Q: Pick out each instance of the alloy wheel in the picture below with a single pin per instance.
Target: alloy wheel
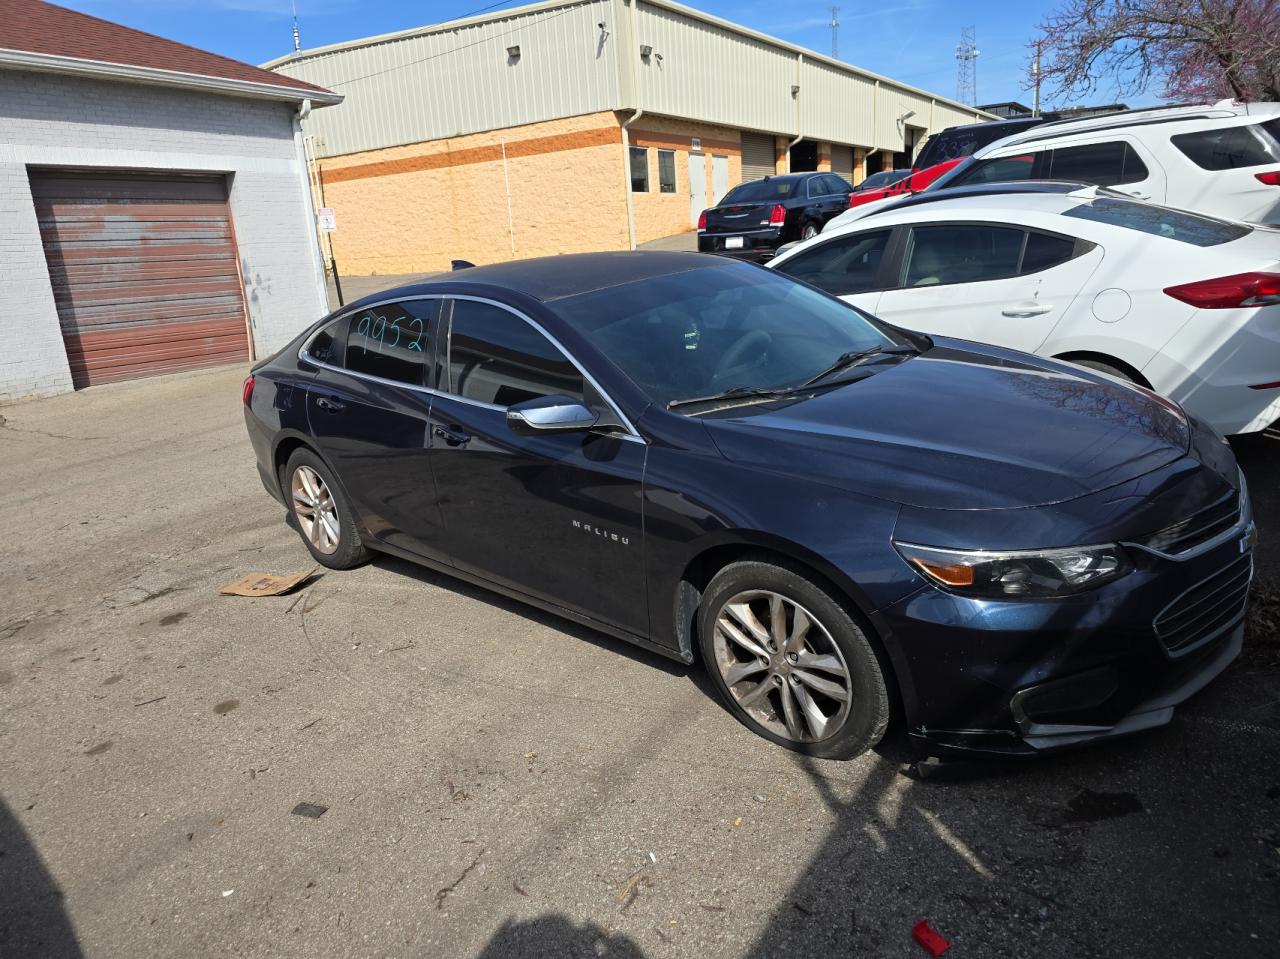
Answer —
(782, 666)
(316, 511)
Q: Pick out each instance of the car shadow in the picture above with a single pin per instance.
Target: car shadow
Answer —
(432, 577)
(33, 918)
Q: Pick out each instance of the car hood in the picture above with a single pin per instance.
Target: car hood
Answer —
(961, 427)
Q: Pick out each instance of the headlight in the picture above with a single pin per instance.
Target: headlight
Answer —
(1019, 573)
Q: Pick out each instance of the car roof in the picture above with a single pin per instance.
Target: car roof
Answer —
(1013, 123)
(1119, 120)
(555, 277)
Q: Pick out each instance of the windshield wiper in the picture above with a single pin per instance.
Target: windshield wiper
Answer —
(853, 358)
(733, 393)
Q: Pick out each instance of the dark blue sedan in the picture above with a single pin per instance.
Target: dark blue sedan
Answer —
(843, 520)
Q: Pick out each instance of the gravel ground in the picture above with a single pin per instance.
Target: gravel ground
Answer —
(499, 782)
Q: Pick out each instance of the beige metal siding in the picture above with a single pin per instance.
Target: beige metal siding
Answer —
(707, 73)
(757, 156)
(455, 78)
(458, 80)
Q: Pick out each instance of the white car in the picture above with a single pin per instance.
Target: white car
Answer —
(1184, 304)
(1221, 159)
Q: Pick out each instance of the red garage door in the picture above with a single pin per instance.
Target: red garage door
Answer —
(144, 272)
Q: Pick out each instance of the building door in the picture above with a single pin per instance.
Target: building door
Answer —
(719, 178)
(144, 272)
(758, 160)
(804, 156)
(697, 186)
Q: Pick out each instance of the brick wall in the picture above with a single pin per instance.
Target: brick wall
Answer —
(661, 214)
(48, 120)
(558, 189)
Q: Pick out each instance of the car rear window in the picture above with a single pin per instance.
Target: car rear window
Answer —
(1227, 148)
(761, 191)
(1159, 221)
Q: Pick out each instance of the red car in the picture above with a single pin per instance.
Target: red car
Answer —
(942, 152)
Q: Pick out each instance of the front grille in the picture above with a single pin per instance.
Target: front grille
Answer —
(1206, 609)
(1212, 521)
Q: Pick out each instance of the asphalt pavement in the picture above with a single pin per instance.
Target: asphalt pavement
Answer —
(492, 781)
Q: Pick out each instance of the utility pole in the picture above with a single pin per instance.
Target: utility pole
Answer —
(967, 66)
(1035, 74)
(835, 33)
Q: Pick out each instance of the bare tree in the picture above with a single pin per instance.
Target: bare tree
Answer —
(1198, 49)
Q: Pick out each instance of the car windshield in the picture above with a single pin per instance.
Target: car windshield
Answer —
(767, 190)
(1160, 221)
(728, 326)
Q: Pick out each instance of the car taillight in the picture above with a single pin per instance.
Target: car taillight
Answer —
(1229, 292)
(702, 221)
(1270, 179)
(778, 215)
(246, 394)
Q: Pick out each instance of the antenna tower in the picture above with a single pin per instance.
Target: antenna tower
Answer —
(967, 66)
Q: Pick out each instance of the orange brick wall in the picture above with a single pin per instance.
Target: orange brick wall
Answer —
(414, 208)
(664, 214)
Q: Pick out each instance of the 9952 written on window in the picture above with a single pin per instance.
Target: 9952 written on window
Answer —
(392, 340)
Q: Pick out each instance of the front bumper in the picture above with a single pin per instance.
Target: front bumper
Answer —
(1019, 678)
(757, 245)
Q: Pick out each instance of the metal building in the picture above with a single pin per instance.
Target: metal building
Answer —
(580, 124)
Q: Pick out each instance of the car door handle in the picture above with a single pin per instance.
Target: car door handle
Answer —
(1026, 311)
(333, 406)
(1137, 194)
(454, 437)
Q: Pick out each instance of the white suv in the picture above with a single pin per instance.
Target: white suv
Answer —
(1223, 160)
(1176, 301)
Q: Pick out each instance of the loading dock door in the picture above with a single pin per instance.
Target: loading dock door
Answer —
(144, 272)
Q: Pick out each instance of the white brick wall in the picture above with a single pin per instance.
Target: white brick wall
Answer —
(48, 120)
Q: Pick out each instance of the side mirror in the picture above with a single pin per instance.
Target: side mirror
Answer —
(549, 414)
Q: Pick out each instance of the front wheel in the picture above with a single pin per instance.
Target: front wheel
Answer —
(790, 662)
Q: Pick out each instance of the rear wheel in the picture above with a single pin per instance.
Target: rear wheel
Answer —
(1103, 367)
(809, 231)
(790, 662)
(321, 512)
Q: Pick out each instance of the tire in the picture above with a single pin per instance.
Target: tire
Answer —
(832, 641)
(1107, 368)
(808, 231)
(307, 500)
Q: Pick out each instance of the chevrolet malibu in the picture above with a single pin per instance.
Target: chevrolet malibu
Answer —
(844, 521)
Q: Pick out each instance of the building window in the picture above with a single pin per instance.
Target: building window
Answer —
(639, 169)
(666, 171)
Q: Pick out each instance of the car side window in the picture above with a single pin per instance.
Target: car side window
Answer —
(842, 265)
(1227, 148)
(392, 340)
(1045, 251)
(839, 184)
(326, 346)
(1104, 164)
(1026, 166)
(941, 255)
(498, 357)
(847, 264)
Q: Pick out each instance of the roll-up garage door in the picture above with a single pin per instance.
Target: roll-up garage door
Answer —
(144, 272)
(842, 161)
(757, 156)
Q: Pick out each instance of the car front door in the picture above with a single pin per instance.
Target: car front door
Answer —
(554, 515)
(368, 409)
(994, 283)
(853, 266)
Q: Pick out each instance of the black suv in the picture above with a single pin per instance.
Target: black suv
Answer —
(757, 217)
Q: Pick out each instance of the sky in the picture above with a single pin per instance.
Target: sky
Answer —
(909, 40)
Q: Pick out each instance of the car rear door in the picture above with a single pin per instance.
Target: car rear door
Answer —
(558, 515)
(368, 410)
(990, 282)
